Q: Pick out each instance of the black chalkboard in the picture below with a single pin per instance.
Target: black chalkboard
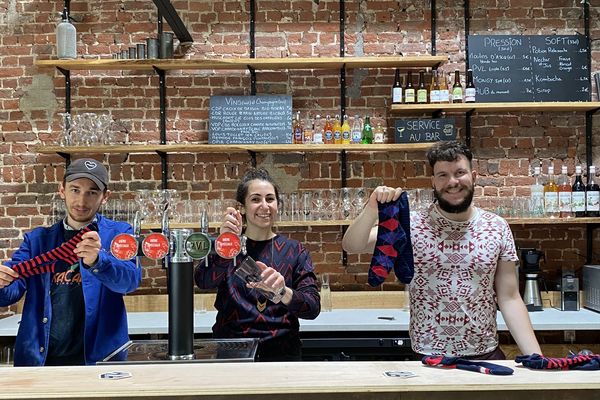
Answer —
(509, 68)
(424, 130)
(264, 119)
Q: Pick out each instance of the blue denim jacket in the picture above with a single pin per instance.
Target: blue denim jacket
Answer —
(103, 284)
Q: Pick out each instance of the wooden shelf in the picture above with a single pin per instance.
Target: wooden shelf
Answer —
(216, 225)
(559, 106)
(552, 221)
(228, 148)
(245, 63)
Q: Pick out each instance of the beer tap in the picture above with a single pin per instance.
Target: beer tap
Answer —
(204, 230)
(165, 231)
(137, 228)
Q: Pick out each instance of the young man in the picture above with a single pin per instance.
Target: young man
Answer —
(464, 264)
(74, 312)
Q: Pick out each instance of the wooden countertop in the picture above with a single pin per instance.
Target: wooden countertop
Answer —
(306, 381)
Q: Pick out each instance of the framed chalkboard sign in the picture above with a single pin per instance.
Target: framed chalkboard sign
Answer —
(509, 68)
(424, 130)
(264, 119)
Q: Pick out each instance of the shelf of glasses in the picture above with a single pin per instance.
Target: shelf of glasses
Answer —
(308, 63)
(281, 224)
(227, 148)
(524, 107)
(553, 221)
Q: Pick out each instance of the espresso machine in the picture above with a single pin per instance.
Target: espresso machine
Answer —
(530, 265)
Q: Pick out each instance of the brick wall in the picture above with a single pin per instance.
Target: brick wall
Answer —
(505, 145)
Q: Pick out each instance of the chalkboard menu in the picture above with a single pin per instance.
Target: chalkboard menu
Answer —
(265, 119)
(424, 130)
(509, 68)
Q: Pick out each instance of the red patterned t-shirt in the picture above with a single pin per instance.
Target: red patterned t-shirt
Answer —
(452, 296)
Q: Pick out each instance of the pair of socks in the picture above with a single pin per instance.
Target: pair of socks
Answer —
(588, 362)
(467, 365)
(58, 259)
(393, 249)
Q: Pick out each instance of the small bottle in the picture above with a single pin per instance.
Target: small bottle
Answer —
(592, 195)
(66, 38)
(346, 135)
(564, 193)
(367, 132)
(297, 131)
(551, 195)
(378, 134)
(409, 90)
(318, 131)
(356, 133)
(444, 92)
(578, 194)
(328, 131)
(470, 91)
(337, 130)
(537, 194)
(434, 90)
(397, 88)
(422, 92)
(308, 130)
(457, 89)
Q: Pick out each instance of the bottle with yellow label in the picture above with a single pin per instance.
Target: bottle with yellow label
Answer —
(337, 130)
(346, 135)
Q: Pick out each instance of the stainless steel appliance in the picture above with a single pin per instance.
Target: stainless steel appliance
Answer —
(591, 287)
(530, 263)
(569, 292)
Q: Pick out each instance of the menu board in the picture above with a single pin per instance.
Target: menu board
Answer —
(509, 68)
(265, 119)
(424, 130)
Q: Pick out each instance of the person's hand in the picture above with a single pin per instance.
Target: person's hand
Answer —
(232, 221)
(383, 194)
(89, 247)
(7, 275)
(271, 278)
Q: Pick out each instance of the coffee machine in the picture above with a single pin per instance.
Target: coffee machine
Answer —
(530, 265)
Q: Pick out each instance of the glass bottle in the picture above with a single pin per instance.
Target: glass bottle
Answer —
(308, 130)
(409, 90)
(337, 130)
(66, 38)
(378, 134)
(551, 195)
(434, 91)
(444, 92)
(592, 195)
(457, 89)
(397, 88)
(318, 132)
(578, 194)
(298, 131)
(564, 193)
(422, 92)
(356, 132)
(328, 131)
(367, 132)
(346, 135)
(470, 91)
(537, 195)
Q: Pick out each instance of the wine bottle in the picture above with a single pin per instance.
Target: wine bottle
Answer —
(409, 90)
(564, 193)
(578, 194)
(457, 89)
(592, 195)
(551, 195)
(470, 91)
(422, 92)
(397, 89)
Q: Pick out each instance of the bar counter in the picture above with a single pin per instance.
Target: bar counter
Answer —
(305, 381)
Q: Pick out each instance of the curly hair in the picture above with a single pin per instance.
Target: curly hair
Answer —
(448, 150)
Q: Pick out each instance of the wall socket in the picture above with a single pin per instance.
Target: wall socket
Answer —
(569, 336)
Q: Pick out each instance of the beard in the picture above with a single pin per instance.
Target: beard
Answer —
(454, 208)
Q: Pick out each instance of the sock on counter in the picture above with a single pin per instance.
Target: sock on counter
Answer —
(56, 260)
(393, 249)
(468, 365)
(588, 362)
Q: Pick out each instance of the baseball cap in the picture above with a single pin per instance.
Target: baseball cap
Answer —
(87, 168)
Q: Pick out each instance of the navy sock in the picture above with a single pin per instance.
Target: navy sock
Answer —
(467, 365)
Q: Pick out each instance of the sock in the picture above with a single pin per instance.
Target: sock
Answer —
(589, 362)
(393, 249)
(467, 365)
(61, 257)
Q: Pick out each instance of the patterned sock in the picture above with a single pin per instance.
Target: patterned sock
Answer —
(468, 365)
(392, 249)
(589, 362)
(56, 258)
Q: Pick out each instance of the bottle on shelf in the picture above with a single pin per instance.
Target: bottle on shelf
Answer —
(564, 193)
(422, 92)
(337, 130)
(444, 90)
(578, 194)
(356, 133)
(318, 132)
(308, 130)
(409, 90)
(66, 38)
(346, 135)
(298, 130)
(434, 90)
(328, 131)
(537, 195)
(551, 195)
(470, 91)
(378, 134)
(592, 195)
(457, 89)
(367, 132)
(397, 88)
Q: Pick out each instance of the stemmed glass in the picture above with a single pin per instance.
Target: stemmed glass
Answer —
(65, 126)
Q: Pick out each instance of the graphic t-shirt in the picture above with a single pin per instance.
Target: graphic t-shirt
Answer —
(452, 295)
(68, 316)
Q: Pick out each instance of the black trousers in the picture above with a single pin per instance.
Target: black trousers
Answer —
(284, 348)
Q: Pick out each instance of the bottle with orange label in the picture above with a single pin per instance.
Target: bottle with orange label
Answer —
(337, 130)
(308, 130)
(297, 130)
(328, 131)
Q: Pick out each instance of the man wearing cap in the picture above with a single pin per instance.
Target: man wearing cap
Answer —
(73, 312)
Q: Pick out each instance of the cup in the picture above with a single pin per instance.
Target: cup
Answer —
(133, 53)
(326, 304)
(141, 51)
(200, 303)
(250, 273)
(152, 48)
(7, 355)
(166, 45)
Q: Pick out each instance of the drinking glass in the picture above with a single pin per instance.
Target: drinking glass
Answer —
(325, 293)
(65, 126)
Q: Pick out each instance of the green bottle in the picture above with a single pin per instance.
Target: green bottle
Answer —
(367, 133)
